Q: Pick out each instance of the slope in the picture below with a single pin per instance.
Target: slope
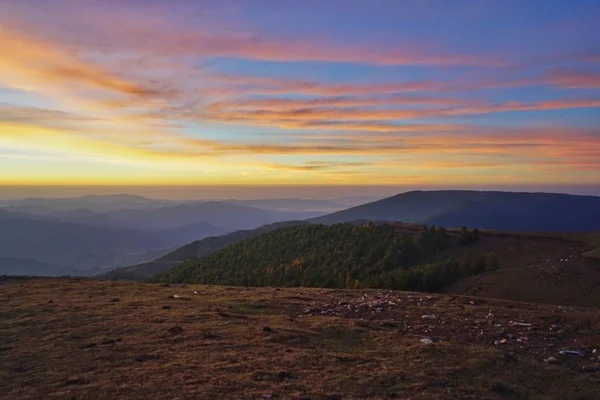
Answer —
(199, 248)
(510, 211)
(78, 246)
(399, 256)
(65, 338)
(230, 216)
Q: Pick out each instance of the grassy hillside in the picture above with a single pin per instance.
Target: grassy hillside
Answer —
(524, 267)
(197, 249)
(506, 211)
(341, 256)
(81, 339)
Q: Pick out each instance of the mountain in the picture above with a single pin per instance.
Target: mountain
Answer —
(290, 204)
(85, 216)
(337, 256)
(28, 266)
(510, 211)
(86, 247)
(225, 215)
(524, 267)
(197, 249)
(95, 203)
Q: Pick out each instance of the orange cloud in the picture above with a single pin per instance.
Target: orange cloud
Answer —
(27, 61)
(576, 79)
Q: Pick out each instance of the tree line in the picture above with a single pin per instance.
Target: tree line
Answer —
(337, 256)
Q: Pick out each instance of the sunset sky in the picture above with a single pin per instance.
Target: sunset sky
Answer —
(273, 92)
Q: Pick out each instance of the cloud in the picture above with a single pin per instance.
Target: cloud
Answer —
(573, 78)
(274, 113)
(29, 61)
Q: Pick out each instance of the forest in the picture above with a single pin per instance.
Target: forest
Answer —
(337, 256)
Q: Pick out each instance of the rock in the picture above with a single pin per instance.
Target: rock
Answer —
(426, 341)
(175, 330)
(428, 316)
(89, 345)
(551, 360)
(267, 329)
(166, 307)
(572, 353)
(115, 300)
(50, 301)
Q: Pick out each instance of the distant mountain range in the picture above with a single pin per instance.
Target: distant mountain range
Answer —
(507, 211)
(65, 237)
(97, 233)
(196, 249)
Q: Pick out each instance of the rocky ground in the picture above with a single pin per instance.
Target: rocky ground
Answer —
(80, 339)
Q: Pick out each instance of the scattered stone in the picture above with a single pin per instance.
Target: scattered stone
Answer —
(572, 353)
(428, 316)
(551, 360)
(178, 297)
(426, 341)
(175, 330)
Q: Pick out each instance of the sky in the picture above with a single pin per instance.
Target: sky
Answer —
(389, 93)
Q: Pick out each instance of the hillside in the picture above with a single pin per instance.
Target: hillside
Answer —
(64, 338)
(81, 246)
(196, 249)
(340, 256)
(290, 204)
(507, 211)
(219, 214)
(28, 266)
(400, 256)
(95, 203)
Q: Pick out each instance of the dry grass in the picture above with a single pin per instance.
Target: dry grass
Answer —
(63, 339)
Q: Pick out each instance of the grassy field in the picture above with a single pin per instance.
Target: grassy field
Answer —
(80, 339)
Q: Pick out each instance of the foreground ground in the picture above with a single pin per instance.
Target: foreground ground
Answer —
(63, 339)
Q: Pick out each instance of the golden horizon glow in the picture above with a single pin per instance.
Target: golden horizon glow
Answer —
(155, 98)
